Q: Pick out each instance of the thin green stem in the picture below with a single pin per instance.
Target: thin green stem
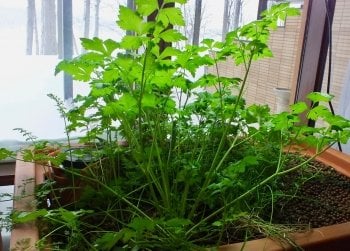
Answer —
(272, 203)
(232, 146)
(248, 192)
(142, 89)
(219, 88)
(165, 179)
(184, 198)
(129, 203)
(221, 144)
(151, 177)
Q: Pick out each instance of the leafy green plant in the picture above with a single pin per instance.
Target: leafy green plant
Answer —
(197, 161)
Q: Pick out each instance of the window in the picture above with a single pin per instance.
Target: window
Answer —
(30, 42)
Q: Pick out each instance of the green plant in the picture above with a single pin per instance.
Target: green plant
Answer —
(197, 159)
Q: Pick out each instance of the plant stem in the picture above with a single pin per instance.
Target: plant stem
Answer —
(248, 192)
(142, 89)
(221, 144)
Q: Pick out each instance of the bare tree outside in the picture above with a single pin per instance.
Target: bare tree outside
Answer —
(187, 30)
(130, 4)
(197, 22)
(36, 34)
(86, 33)
(60, 28)
(226, 18)
(237, 15)
(48, 31)
(32, 31)
(232, 16)
(87, 18)
(261, 7)
(189, 11)
(97, 17)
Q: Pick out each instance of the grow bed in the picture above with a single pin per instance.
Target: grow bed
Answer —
(312, 202)
(312, 197)
(322, 197)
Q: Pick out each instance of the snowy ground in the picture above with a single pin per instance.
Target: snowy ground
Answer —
(25, 82)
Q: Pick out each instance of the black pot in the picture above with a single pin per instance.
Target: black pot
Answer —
(78, 157)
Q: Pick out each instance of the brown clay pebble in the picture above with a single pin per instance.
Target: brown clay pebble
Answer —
(320, 201)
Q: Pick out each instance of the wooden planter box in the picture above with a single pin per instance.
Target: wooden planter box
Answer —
(334, 237)
(27, 176)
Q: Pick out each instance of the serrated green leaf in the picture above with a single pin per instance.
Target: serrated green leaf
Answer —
(93, 58)
(171, 35)
(95, 44)
(110, 109)
(146, 28)
(101, 92)
(69, 217)
(129, 20)
(319, 111)
(128, 234)
(226, 81)
(240, 167)
(338, 121)
(110, 75)
(124, 62)
(283, 121)
(170, 106)
(169, 52)
(250, 160)
(149, 100)
(142, 224)
(208, 42)
(23, 217)
(344, 137)
(181, 83)
(298, 108)
(207, 80)
(78, 70)
(170, 16)
(194, 62)
(131, 42)
(127, 102)
(319, 97)
(178, 222)
(162, 78)
(176, 1)
(107, 241)
(111, 46)
(293, 12)
(146, 7)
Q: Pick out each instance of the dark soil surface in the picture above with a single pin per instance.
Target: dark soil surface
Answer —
(313, 196)
(322, 197)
